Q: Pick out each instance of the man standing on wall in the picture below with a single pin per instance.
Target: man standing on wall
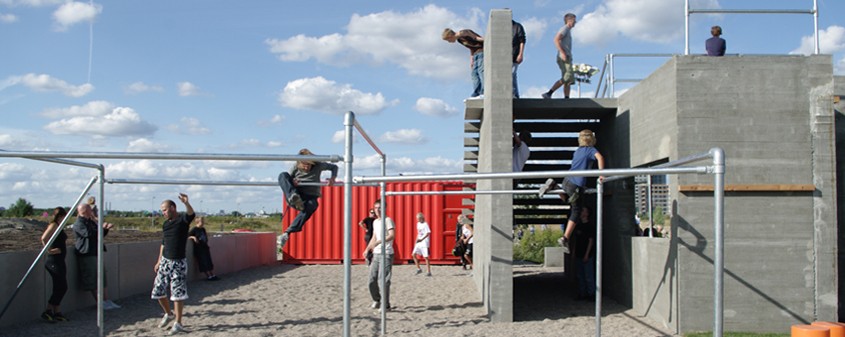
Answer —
(563, 43)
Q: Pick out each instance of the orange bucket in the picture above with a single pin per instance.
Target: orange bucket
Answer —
(810, 331)
(836, 329)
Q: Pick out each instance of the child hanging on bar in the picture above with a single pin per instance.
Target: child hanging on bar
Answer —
(300, 196)
(584, 158)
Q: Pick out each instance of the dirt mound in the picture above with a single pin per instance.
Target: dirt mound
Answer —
(18, 234)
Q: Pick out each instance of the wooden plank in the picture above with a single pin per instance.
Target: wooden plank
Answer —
(550, 155)
(751, 188)
(555, 126)
(552, 142)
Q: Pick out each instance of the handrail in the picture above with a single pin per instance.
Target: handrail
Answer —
(814, 12)
(213, 182)
(166, 156)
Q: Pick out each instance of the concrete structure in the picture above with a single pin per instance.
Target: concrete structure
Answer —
(128, 272)
(773, 115)
(493, 241)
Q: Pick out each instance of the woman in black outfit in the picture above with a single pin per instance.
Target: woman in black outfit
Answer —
(55, 265)
(201, 250)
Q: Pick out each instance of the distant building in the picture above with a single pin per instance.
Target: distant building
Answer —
(659, 194)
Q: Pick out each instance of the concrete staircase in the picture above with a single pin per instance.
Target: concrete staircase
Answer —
(554, 125)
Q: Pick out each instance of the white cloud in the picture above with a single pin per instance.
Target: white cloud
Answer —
(146, 145)
(47, 83)
(32, 3)
(71, 13)
(90, 109)
(534, 30)
(98, 118)
(435, 107)
(533, 92)
(140, 87)
(413, 37)
(644, 20)
(320, 94)
(839, 68)
(274, 143)
(371, 164)
(188, 89)
(339, 137)
(403, 136)
(277, 119)
(8, 18)
(189, 125)
(831, 41)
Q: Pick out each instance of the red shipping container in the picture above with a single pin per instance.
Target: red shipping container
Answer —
(321, 239)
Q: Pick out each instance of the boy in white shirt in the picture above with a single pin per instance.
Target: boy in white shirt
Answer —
(422, 244)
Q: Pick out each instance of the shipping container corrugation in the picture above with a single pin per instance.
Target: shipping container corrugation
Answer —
(321, 240)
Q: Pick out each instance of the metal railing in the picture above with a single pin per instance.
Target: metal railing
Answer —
(673, 167)
(814, 12)
(58, 157)
(609, 77)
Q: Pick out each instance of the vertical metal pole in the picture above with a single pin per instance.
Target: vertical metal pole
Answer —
(383, 267)
(612, 80)
(599, 240)
(650, 209)
(686, 27)
(816, 26)
(101, 275)
(719, 222)
(347, 224)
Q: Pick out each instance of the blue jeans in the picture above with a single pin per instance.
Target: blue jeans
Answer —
(515, 85)
(309, 201)
(586, 276)
(478, 74)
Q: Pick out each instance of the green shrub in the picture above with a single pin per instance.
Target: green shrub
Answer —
(530, 248)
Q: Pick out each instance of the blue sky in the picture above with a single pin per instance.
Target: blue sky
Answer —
(277, 76)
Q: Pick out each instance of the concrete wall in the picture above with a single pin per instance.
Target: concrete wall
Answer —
(493, 241)
(655, 280)
(128, 272)
(773, 115)
(839, 115)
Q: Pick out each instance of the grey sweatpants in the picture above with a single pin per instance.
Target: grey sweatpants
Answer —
(375, 274)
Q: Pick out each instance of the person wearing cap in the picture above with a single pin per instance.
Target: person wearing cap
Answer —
(303, 197)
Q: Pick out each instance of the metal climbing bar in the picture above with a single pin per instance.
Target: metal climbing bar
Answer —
(167, 156)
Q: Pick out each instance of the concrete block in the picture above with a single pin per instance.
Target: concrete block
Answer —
(553, 257)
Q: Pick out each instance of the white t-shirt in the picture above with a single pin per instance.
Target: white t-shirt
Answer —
(422, 230)
(520, 156)
(377, 235)
(466, 233)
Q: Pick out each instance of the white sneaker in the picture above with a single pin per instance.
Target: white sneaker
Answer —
(166, 319)
(109, 305)
(283, 239)
(546, 187)
(375, 305)
(177, 328)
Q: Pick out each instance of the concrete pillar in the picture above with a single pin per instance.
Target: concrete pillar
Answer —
(493, 228)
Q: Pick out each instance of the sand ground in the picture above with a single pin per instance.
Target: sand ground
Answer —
(288, 300)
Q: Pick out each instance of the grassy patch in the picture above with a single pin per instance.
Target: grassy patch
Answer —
(530, 248)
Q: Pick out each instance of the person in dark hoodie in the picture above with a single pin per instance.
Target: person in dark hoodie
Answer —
(303, 197)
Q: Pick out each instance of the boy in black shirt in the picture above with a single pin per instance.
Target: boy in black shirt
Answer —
(172, 266)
